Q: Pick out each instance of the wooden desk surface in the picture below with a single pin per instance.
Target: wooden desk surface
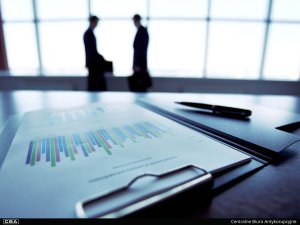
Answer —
(273, 192)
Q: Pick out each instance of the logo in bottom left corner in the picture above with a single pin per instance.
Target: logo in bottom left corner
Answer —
(10, 221)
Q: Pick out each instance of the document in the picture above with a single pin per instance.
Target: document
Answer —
(61, 156)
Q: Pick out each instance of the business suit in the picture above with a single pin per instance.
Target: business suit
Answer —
(140, 47)
(94, 62)
(140, 81)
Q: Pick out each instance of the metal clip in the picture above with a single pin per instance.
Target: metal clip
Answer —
(132, 197)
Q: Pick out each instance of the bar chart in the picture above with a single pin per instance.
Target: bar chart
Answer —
(54, 150)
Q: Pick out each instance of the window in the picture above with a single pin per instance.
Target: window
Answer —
(62, 9)
(234, 50)
(180, 9)
(21, 48)
(234, 39)
(62, 47)
(118, 8)
(180, 53)
(286, 10)
(21, 45)
(239, 9)
(283, 54)
(14, 10)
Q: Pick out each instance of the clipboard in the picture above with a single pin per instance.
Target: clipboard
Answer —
(194, 178)
(269, 140)
(200, 183)
(159, 187)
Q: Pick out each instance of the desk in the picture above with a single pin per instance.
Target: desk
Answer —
(272, 192)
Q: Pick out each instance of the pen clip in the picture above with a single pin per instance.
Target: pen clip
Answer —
(116, 204)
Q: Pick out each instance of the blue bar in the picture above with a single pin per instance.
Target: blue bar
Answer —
(43, 146)
(131, 130)
(84, 151)
(104, 131)
(65, 147)
(98, 143)
(79, 139)
(120, 134)
(134, 131)
(148, 130)
(75, 139)
(91, 138)
(155, 132)
(60, 144)
(47, 150)
(117, 133)
(143, 130)
(155, 127)
(29, 152)
(104, 134)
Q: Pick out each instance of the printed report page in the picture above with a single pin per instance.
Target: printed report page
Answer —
(61, 156)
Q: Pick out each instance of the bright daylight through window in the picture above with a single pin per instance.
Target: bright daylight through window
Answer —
(234, 39)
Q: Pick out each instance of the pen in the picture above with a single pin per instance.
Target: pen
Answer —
(217, 109)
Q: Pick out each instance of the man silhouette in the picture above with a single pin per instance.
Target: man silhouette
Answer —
(95, 62)
(140, 81)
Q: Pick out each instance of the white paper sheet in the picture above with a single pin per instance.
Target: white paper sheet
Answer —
(55, 159)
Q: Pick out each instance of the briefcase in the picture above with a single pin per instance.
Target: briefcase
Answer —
(108, 66)
(139, 82)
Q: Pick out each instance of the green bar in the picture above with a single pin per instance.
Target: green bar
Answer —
(33, 156)
(69, 146)
(102, 143)
(111, 135)
(53, 160)
(86, 145)
(89, 143)
(116, 136)
(128, 134)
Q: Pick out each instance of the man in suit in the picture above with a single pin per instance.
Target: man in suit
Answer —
(140, 81)
(94, 61)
